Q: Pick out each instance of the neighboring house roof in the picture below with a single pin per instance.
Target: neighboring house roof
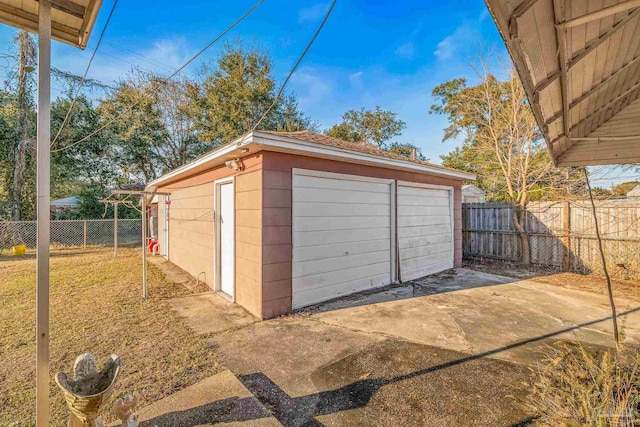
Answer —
(67, 202)
(634, 192)
(471, 189)
(307, 143)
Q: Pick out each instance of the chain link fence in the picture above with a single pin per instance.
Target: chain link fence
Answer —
(69, 233)
(560, 234)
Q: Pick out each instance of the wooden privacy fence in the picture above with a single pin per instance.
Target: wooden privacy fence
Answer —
(561, 234)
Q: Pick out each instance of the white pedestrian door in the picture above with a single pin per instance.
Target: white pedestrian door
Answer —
(226, 227)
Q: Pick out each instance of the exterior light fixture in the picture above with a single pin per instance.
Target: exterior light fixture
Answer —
(235, 164)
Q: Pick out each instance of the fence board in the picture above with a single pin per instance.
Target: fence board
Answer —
(560, 234)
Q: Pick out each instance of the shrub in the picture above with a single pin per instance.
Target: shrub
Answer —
(580, 388)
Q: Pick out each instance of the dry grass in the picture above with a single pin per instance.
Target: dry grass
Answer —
(578, 388)
(629, 289)
(96, 306)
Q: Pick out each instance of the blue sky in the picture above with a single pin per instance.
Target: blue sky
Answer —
(371, 52)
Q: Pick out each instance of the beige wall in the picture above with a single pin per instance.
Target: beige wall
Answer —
(277, 287)
(263, 223)
(191, 227)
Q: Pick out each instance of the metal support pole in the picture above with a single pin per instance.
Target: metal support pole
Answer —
(115, 229)
(43, 169)
(144, 246)
(84, 234)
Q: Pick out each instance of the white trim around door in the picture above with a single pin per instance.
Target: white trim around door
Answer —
(224, 235)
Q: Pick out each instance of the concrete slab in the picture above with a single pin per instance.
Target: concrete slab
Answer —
(481, 313)
(398, 383)
(209, 313)
(173, 272)
(220, 400)
(286, 348)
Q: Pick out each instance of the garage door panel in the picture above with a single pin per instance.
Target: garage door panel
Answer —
(340, 209)
(341, 223)
(335, 278)
(341, 235)
(423, 220)
(313, 296)
(310, 253)
(303, 181)
(340, 262)
(426, 270)
(432, 239)
(425, 261)
(406, 231)
(338, 196)
(424, 210)
(424, 192)
(425, 237)
(424, 251)
(405, 200)
(312, 238)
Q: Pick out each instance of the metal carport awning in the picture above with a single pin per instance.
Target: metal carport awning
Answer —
(69, 21)
(579, 62)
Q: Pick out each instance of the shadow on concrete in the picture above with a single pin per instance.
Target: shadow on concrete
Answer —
(222, 411)
(301, 411)
(446, 281)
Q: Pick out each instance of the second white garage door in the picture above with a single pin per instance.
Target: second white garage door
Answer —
(343, 231)
(425, 229)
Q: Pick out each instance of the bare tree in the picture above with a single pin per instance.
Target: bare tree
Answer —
(501, 135)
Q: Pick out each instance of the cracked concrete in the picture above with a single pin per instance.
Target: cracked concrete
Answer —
(450, 349)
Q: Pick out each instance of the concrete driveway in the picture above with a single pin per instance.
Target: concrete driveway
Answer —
(451, 349)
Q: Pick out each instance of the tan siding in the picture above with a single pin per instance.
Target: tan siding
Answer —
(277, 217)
(249, 241)
(191, 224)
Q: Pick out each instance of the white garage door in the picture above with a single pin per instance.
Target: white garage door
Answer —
(425, 229)
(342, 235)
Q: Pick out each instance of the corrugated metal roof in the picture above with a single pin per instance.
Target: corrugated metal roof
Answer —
(580, 64)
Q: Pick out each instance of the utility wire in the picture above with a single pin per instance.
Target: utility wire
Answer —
(86, 71)
(165, 80)
(295, 67)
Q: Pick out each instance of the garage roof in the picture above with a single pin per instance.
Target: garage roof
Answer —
(71, 20)
(579, 62)
(309, 144)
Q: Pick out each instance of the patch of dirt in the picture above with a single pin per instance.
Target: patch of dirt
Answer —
(629, 289)
(96, 307)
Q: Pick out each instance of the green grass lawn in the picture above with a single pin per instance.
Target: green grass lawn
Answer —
(96, 307)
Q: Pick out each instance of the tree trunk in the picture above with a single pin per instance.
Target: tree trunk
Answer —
(517, 214)
(20, 148)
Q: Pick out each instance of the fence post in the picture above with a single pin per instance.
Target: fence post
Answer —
(84, 234)
(566, 214)
(115, 230)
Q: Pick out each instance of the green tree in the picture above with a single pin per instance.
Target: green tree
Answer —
(374, 126)
(235, 91)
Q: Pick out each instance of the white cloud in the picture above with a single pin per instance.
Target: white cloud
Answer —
(406, 50)
(356, 80)
(311, 88)
(312, 14)
(452, 45)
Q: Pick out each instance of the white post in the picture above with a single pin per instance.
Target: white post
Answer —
(144, 246)
(115, 229)
(43, 169)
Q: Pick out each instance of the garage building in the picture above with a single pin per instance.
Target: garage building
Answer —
(276, 221)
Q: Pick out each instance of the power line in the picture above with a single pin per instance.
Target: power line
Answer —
(165, 80)
(295, 67)
(86, 71)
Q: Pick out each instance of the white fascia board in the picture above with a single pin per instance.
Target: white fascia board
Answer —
(291, 144)
(209, 157)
